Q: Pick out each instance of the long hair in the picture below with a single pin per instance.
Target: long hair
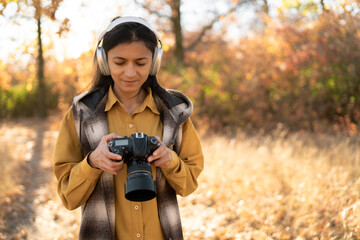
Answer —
(126, 33)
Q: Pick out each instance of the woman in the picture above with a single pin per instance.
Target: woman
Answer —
(125, 98)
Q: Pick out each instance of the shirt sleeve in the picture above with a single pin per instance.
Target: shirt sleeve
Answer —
(184, 169)
(76, 178)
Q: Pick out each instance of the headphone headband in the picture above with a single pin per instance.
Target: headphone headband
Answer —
(128, 19)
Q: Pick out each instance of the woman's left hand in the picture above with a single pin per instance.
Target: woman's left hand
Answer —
(161, 157)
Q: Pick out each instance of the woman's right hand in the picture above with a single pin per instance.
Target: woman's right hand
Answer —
(105, 160)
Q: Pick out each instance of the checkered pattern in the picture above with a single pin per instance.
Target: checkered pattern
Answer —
(98, 213)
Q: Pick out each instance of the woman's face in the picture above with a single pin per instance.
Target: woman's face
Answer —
(129, 65)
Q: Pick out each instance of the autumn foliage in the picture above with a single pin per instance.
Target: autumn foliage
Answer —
(302, 72)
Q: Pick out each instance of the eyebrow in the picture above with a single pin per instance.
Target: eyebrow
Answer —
(138, 59)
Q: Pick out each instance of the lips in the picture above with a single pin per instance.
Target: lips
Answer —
(129, 81)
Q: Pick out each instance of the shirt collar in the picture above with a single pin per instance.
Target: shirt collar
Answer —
(149, 102)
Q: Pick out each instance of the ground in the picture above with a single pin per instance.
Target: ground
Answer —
(276, 186)
(30, 208)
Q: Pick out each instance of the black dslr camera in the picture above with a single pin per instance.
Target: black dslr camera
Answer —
(135, 150)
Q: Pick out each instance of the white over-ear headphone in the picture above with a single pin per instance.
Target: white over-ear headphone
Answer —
(101, 54)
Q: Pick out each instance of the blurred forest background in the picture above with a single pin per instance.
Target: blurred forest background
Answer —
(246, 64)
(276, 89)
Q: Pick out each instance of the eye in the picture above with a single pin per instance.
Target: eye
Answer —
(119, 63)
(141, 62)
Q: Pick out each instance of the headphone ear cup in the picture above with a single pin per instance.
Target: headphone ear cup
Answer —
(156, 61)
(102, 61)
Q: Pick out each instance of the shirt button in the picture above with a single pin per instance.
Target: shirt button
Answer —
(138, 235)
(131, 125)
(136, 207)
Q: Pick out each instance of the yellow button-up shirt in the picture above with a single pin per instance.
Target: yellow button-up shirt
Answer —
(77, 179)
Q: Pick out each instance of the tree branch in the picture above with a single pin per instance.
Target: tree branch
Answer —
(151, 11)
(211, 24)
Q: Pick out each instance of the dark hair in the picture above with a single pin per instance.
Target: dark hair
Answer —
(126, 33)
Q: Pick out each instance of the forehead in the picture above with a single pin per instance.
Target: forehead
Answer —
(136, 48)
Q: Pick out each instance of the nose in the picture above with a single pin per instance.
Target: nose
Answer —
(130, 70)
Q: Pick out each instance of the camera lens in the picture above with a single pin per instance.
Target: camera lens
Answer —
(139, 185)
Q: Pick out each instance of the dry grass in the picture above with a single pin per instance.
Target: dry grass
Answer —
(276, 186)
(279, 186)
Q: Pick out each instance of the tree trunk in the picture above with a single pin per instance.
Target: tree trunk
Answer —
(322, 5)
(176, 21)
(266, 7)
(41, 91)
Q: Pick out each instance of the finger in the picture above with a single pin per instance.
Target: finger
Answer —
(162, 163)
(108, 154)
(153, 158)
(115, 165)
(104, 156)
(107, 138)
(161, 160)
(112, 166)
(158, 152)
(112, 156)
(118, 167)
(110, 136)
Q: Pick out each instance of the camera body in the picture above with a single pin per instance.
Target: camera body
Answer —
(135, 150)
